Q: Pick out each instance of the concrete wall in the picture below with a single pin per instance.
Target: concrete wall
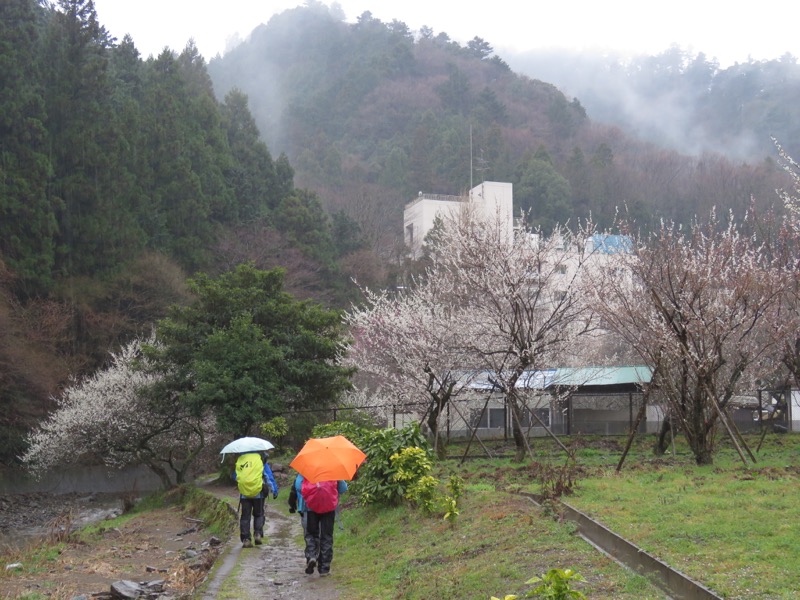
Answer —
(491, 200)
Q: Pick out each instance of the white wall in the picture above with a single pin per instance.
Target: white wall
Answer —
(491, 200)
(494, 201)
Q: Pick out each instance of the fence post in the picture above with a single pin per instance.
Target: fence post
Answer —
(448, 420)
(505, 418)
(394, 416)
(630, 410)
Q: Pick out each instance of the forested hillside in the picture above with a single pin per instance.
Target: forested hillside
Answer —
(372, 112)
(120, 176)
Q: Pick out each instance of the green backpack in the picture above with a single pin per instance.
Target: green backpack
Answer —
(249, 474)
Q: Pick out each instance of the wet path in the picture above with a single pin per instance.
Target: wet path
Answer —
(273, 571)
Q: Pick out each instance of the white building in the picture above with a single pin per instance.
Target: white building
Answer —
(490, 199)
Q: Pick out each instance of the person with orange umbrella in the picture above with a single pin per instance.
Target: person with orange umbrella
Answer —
(324, 465)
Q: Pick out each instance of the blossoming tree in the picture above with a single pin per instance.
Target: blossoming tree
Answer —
(111, 417)
(488, 303)
(413, 343)
(698, 307)
(523, 300)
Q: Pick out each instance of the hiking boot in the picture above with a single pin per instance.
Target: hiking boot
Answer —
(324, 572)
(312, 562)
(247, 544)
(258, 540)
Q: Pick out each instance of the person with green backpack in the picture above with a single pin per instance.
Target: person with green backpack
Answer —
(251, 473)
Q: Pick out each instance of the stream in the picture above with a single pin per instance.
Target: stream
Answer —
(31, 509)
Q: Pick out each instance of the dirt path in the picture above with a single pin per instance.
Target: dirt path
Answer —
(274, 571)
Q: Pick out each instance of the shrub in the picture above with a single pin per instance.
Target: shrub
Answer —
(377, 481)
(275, 430)
(555, 585)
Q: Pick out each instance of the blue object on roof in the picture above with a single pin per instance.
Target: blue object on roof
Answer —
(612, 244)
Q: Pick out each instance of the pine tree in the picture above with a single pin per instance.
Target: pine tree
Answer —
(254, 179)
(27, 219)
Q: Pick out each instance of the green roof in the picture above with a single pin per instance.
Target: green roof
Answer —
(584, 376)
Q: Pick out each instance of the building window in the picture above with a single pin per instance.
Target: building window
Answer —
(492, 418)
(528, 420)
(410, 234)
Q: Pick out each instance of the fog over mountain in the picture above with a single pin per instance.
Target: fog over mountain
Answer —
(680, 100)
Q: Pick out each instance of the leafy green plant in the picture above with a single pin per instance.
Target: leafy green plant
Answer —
(455, 484)
(376, 482)
(411, 464)
(422, 493)
(275, 430)
(555, 585)
(451, 510)
(353, 432)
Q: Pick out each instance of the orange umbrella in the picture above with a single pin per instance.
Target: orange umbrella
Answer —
(328, 459)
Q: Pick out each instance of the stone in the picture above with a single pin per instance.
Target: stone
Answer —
(127, 590)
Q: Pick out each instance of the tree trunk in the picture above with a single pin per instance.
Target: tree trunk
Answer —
(162, 473)
(704, 456)
(433, 425)
(661, 443)
(516, 432)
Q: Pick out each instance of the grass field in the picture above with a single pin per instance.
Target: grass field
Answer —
(733, 527)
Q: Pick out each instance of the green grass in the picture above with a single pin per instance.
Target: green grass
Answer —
(230, 589)
(735, 528)
(732, 527)
(498, 542)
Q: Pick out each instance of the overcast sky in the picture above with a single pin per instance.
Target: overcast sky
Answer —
(728, 31)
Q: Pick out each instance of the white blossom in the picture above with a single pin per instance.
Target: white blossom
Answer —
(109, 417)
(699, 310)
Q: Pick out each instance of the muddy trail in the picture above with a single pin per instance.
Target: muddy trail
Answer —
(272, 571)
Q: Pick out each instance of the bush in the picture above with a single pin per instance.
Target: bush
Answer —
(355, 433)
(382, 480)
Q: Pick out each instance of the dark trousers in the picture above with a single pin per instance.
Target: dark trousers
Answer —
(319, 538)
(254, 506)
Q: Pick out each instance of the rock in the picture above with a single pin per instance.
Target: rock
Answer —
(13, 566)
(153, 587)
(214, 541)
(126, 589)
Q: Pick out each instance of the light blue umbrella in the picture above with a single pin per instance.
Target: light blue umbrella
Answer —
(247, 444)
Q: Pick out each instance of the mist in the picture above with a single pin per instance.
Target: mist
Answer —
(677, 100)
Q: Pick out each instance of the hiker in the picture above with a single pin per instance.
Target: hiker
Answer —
(320, 501)
(296, 502)
(252, 470)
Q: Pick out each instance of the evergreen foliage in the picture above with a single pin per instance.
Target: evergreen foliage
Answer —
(105, 155)
(248, 351)
(118, 176)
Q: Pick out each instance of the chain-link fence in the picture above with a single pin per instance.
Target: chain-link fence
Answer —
(492, 416)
